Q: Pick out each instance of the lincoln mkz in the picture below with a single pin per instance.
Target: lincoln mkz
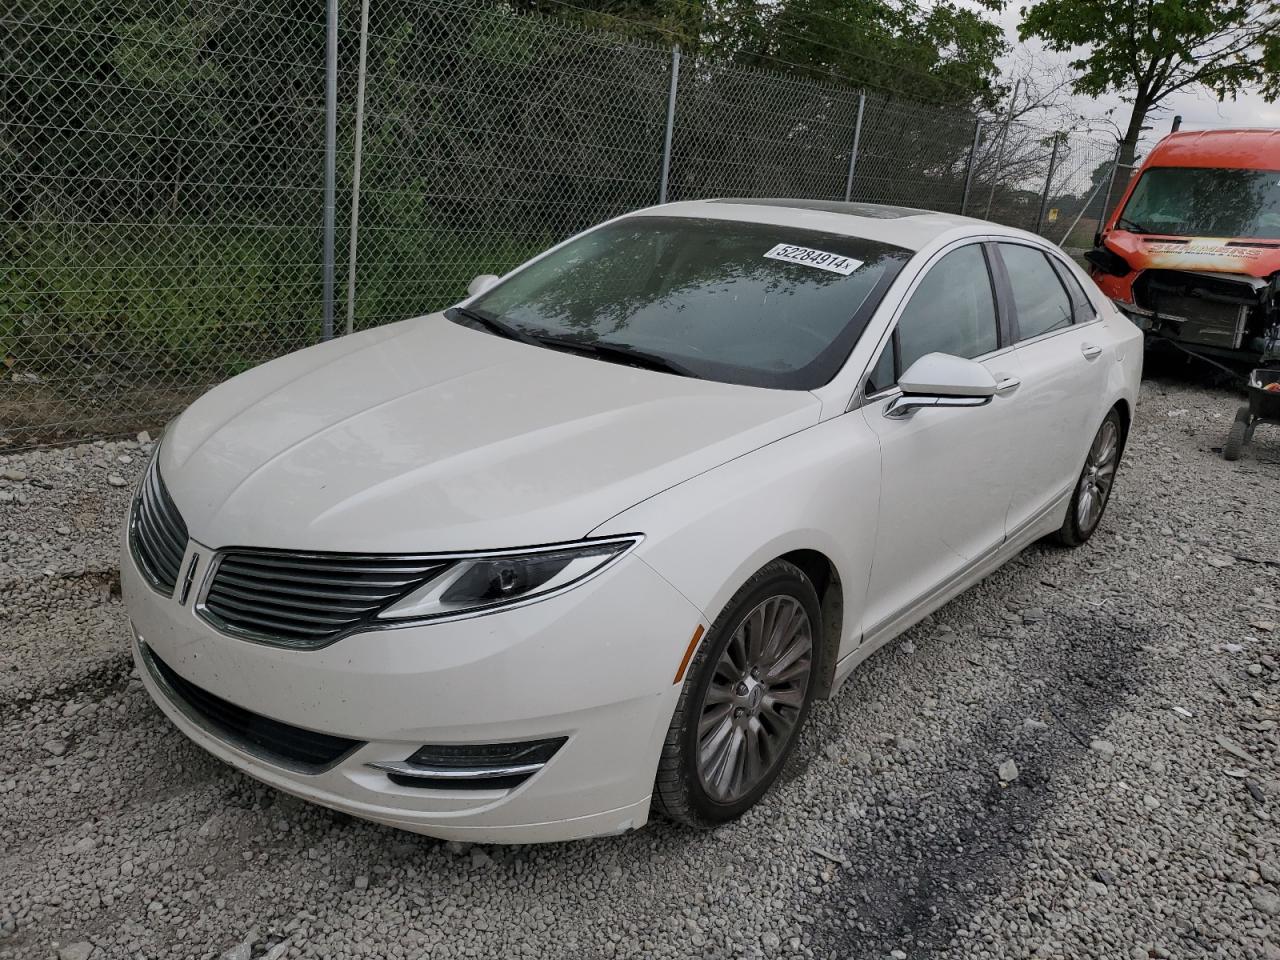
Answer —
(588, 545)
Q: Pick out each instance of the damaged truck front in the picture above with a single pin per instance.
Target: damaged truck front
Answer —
(1192, 251)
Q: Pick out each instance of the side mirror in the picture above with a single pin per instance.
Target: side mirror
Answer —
(941, 380)
(480, 283)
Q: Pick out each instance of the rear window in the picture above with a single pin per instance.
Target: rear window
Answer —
(1040, 301)
(1205, 202)
(747, 303)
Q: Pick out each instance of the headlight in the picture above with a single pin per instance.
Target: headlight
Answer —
(477, 584)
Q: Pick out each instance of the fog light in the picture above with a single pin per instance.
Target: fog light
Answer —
(481, 756)
(471, 766)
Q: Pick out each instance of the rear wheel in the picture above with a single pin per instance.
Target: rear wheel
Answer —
(1093, 488)
(744, 700)
(1236, 436)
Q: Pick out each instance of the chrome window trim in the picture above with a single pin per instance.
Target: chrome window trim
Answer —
(447, 559)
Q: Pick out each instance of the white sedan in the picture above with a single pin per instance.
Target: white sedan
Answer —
(589, 544)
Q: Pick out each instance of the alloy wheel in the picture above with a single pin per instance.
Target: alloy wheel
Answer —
(755, 698)
(1098, 475)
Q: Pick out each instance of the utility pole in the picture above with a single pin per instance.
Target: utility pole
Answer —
(355, 166)
(330, 168)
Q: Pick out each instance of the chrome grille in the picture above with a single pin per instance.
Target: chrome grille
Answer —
(306, 600)
(157, 532)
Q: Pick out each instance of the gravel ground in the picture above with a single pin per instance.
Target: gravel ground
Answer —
(1078, 758)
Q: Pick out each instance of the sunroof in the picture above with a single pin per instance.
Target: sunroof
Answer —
(875, 211)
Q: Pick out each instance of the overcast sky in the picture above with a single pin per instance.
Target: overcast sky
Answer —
(1200, 109)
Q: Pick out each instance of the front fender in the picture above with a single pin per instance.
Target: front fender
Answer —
(818, 490)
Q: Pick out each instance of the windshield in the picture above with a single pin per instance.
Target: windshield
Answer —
(1205, 202)
(722, 300)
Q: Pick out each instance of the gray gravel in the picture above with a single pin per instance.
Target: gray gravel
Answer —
(1077, 759)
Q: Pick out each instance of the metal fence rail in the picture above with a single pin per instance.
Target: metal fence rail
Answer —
(163, 175)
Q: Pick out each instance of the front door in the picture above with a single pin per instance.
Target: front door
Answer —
(945, 484)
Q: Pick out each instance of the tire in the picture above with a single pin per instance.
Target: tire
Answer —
(1234, 446)
(690, 787)
(1092, 491)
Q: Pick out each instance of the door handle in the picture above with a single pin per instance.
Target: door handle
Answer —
(1091, 351)
(1007, 384)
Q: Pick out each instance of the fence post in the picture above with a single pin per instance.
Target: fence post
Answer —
(1004, 136)
(968, 171)
(671, 122)
(853, 154)
(330, 165)
(355, 166)
(1111, 182)
(1048, 182)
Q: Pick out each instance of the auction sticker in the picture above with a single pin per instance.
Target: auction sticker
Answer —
(833, 262)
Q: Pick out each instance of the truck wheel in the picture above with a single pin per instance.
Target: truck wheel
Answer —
(1235, 436)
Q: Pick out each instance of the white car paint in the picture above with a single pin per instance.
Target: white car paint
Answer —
(427, 434)
(425, 437)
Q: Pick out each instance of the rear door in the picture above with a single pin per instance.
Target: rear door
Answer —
(1063, 352)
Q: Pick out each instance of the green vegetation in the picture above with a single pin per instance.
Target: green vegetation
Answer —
(161, 201)
(938, 52)
(1149, 49)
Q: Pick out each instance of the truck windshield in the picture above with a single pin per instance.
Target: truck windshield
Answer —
(746, 303)
(1205, 202)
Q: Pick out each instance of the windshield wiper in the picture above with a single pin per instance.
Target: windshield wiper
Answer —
(1133, 225)
(494, 325)
(617, 353)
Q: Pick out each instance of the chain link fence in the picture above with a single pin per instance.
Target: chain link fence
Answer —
(162, 175)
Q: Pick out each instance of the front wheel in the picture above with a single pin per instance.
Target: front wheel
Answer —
(744, 700)
(1093, 488)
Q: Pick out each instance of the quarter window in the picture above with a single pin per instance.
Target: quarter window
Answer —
(1040, 302)
(883, 375)
(952, 311)
(1084, 308)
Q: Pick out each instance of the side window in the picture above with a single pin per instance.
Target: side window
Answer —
(1040, 302)
(1084, 309)
(883, 375)
(952, 311)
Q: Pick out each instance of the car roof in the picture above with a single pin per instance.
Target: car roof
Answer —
(905, 227)
(1254, 149)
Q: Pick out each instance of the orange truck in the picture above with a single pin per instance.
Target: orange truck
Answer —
(1192, 251)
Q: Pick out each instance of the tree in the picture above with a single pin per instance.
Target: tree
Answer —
(1149, 49)
(937, 51)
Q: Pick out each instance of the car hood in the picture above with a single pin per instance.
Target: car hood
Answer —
(1254, 258)
(426, 436)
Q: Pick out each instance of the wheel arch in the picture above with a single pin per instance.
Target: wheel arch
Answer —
(825, 577)
(1122, 407)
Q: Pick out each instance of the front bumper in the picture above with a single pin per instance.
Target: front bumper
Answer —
(594, 665)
